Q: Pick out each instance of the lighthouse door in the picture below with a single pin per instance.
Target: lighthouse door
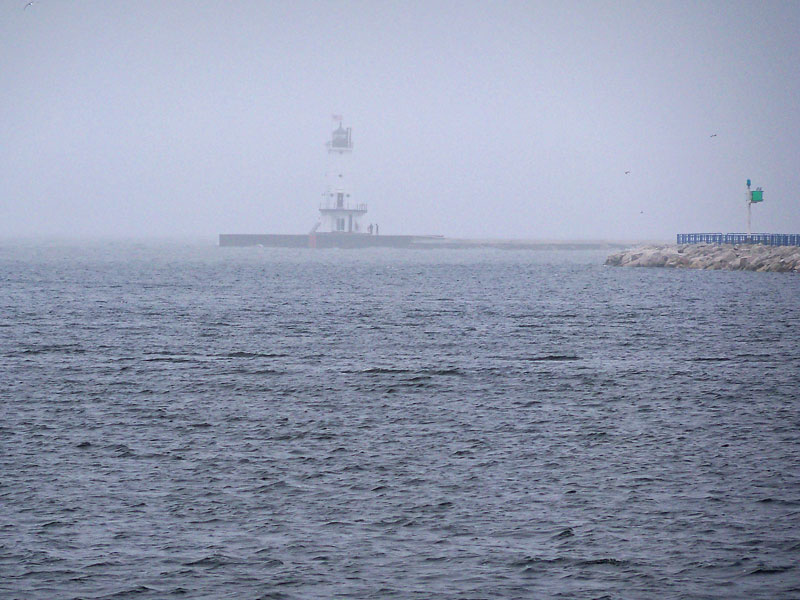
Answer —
(340, 200)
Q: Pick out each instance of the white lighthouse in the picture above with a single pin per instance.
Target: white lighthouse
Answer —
(339, 213)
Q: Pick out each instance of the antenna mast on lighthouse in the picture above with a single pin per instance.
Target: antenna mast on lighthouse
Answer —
(339, 213)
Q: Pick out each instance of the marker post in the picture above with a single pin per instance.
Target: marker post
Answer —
(753, 196)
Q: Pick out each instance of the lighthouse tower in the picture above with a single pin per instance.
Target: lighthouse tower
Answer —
(338, 211)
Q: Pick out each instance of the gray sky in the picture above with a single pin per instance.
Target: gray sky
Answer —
(474, 119)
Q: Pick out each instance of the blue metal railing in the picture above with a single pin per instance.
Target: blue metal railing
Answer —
(767, 239)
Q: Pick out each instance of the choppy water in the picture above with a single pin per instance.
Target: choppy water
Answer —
(241, 423)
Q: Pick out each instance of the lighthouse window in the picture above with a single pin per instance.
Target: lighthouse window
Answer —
(340, 200)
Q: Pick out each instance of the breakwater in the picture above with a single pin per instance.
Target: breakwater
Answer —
(744, 257)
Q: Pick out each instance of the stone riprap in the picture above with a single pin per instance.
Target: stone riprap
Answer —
(744, 257)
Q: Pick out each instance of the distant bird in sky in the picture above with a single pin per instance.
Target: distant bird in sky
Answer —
(713, 135)
(28, 4)
(627, 172)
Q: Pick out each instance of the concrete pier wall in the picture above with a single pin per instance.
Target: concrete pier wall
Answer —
(317, 240)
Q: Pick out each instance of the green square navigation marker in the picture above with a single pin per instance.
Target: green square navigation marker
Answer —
(757, 196)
